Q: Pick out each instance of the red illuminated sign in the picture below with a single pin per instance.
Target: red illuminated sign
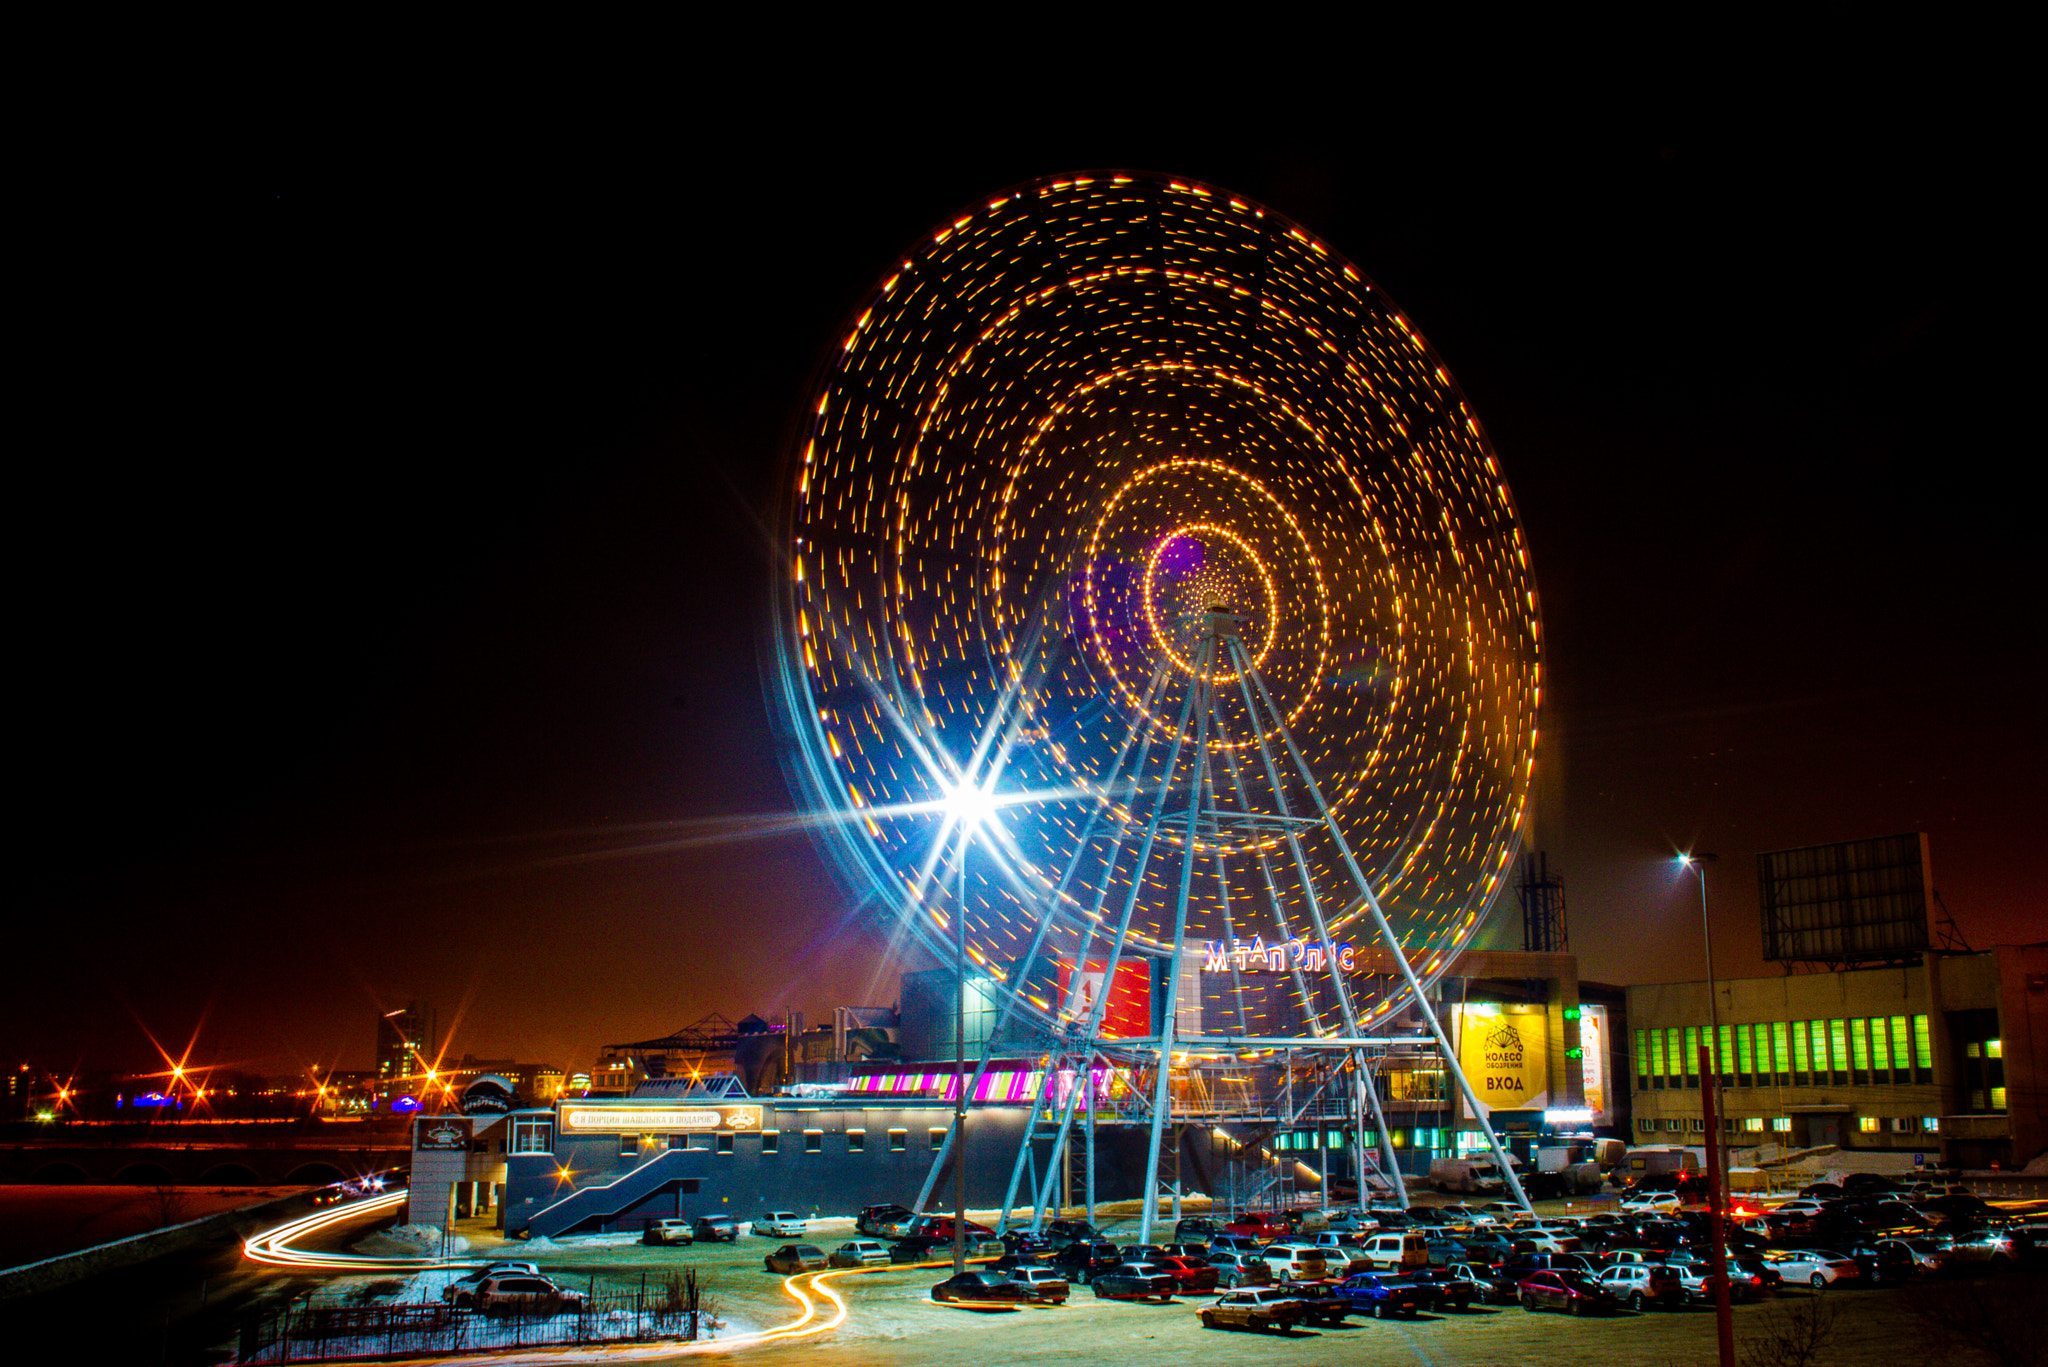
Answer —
(1129, 1012)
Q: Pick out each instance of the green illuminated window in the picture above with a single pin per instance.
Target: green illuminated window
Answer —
(1657, 1053)
(1692, 1050)
(1902, 1056)
(1859, 1043)
(1923, 1047)
(1801, 1060)
(1745, 1049)
(1642, 1057)
(1880, 1046)
(1819, 1031)
(1680, 1064)
(1838, 1044)
(1780, 1046)
(1724, 1055)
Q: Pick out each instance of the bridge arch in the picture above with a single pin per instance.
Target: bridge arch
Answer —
(230, 1175)
(145, 1175)
(59, 1175)
(315, 1175)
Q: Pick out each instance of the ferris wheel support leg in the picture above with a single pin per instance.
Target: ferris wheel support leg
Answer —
(1092, 1030)
(1162, 1100)
(1313, 1017)
(1393, 944)
(1247, 675)
(1014, 989)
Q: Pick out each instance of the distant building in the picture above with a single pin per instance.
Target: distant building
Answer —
(405, 1049)
(1935, 1057)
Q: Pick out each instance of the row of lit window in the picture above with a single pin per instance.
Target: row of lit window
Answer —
(1417, 1137)
(537, 1136)
(1844, 1052)
(1781, 1124)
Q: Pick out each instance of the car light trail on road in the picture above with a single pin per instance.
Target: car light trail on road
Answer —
(273, 1246)
(807, 1289)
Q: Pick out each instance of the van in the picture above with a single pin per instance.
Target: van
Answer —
(1465, 1174)
(1396, 1252)
(1661, 1159)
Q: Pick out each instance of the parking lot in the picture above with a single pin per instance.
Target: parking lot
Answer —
(890, 1308)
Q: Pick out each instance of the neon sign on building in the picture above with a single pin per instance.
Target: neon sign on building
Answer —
(1256, 956)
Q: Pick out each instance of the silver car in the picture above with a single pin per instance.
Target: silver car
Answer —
(1235, 1268)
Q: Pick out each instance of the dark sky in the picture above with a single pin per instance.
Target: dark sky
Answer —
(402, 550)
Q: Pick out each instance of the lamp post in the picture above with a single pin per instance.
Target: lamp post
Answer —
(1710, 1108)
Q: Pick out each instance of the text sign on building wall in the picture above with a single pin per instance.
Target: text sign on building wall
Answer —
(1506, 1057)
(1256, 956)
(656, 1118)
(445, 1132)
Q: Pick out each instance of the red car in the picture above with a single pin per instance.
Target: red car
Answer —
(1266, 1229)
(1191, 1275)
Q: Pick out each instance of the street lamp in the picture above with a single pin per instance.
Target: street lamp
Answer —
(1717, 1148)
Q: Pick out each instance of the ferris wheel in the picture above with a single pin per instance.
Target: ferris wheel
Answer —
(1158, 635)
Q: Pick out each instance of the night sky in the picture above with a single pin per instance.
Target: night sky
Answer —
(396, 585)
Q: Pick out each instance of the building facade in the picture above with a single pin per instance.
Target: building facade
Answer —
(1939, 1057)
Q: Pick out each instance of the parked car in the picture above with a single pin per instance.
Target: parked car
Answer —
(1045, 1279)
(1234, 1243)
(1380, 1295)
(1269, 1308)
(1642, 1203)
(1259, 1226)
(994, 1288)
(1198, 1229)
(882, 1222)
(715, 1229)
(1235, 1269)
(1982, 1244)
(1395, 1252)
(1023, 1243)
(780, 1224)
(1133, 1282)
(525, 1294)
(1698, 1280)
(1064, 1232)
(1641, 1285)
(1572, 1292)
(1194, 1276)
(1449, 1288)
(1301, 1262)
(462, 1291)
(860, 1253)
(667, 1232)
(1079, 1262)
(1884, 1262)
(1817, 1267)
(792, 1258)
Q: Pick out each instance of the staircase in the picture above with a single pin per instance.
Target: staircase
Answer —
(664, 1171)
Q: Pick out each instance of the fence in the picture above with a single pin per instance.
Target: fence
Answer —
(674, 1307)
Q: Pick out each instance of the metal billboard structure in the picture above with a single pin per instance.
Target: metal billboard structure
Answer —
(1860, 901)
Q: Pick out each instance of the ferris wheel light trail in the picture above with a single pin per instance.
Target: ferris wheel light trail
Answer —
(1099, 447)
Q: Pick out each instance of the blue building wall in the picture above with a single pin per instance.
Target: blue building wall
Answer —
(814, 1157)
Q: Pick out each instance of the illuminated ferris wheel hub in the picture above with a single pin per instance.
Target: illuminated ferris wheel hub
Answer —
(1153, 588)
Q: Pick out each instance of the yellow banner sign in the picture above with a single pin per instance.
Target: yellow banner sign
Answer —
(1506, 1057)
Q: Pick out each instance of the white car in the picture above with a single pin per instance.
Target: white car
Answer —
(1649, 1201)
(780, 1224)
(1803, 1209)
(1817, 1267)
